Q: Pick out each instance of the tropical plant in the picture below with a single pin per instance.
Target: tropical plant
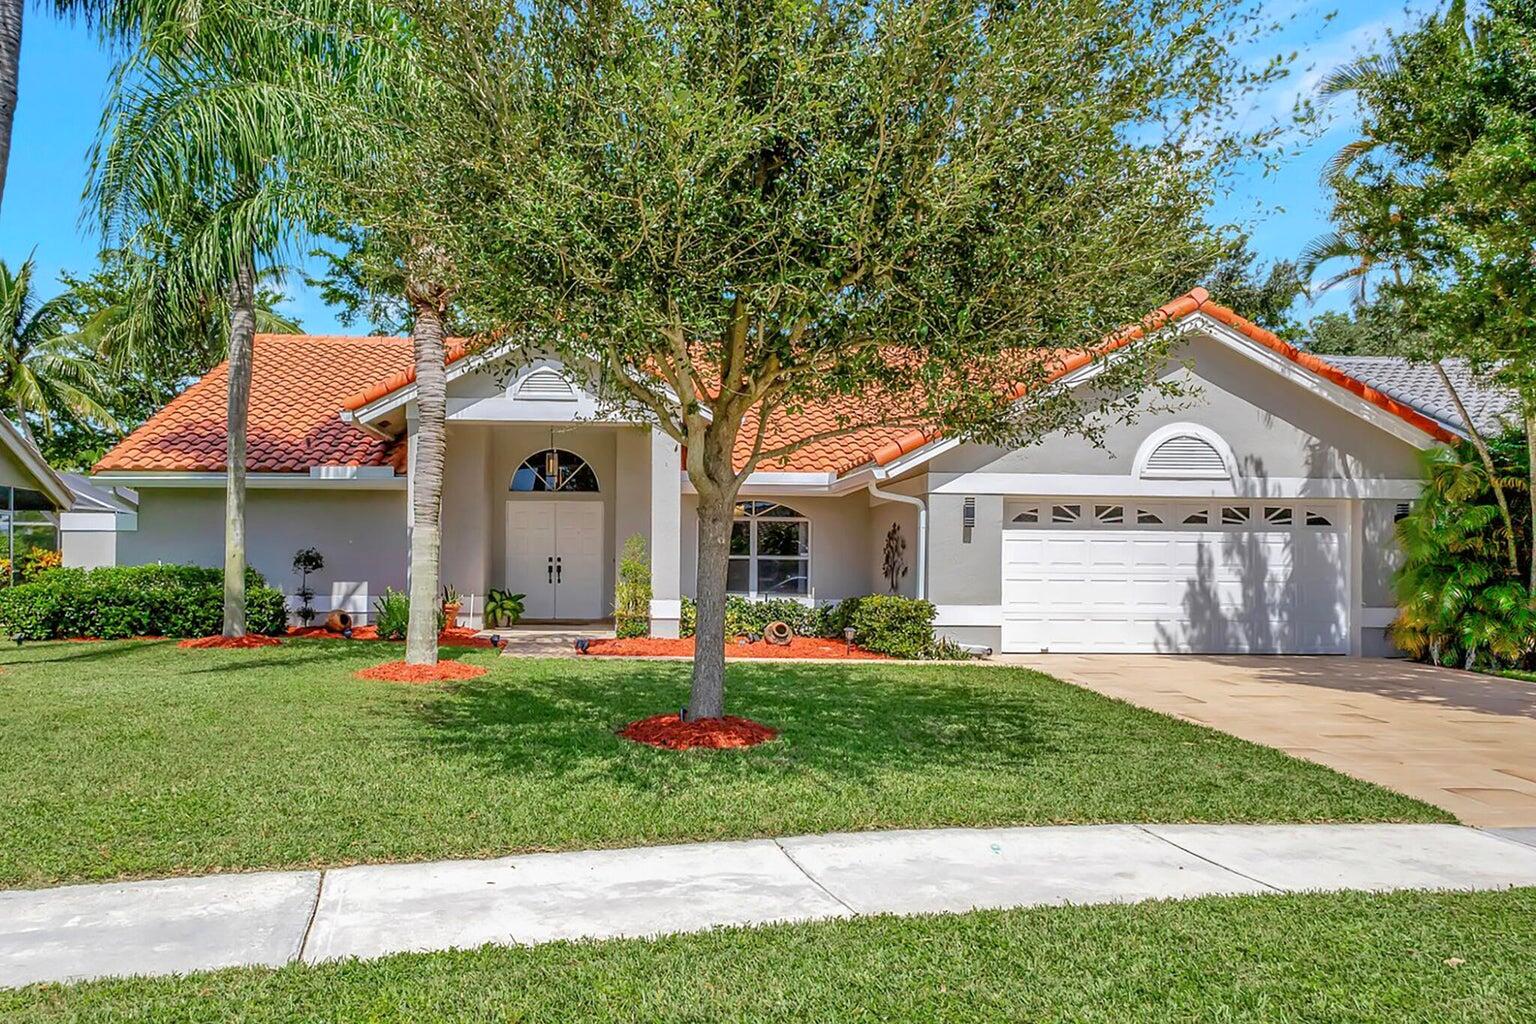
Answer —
(48, 372)
(391, 612)
(451, 595)
(1460, 602)
(207, 113)
(503, 608)
(632, 590)
(716, 213)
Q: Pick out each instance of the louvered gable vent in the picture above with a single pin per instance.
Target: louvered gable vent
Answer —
(545, 385)
(1186, 457)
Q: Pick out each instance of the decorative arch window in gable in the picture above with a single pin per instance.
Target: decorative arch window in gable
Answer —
(554, 469)
(770, 551)
(1186, 456)
(544, 385)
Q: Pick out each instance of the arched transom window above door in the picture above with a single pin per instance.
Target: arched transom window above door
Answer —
(770, 551)
(554, 469)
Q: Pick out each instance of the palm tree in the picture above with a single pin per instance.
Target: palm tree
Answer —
(46, 370)
(190, 170)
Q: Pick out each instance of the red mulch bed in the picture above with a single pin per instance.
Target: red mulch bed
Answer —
(232, 642)
(458, 636)
(400, 672)
(671, 733)
(798, 647)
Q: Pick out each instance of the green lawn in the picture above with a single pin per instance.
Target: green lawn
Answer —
(1330, 959)
(135, 759)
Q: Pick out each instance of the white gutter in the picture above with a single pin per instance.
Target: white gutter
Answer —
(922, 531)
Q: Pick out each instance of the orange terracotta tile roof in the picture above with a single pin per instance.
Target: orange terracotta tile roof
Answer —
(298, 383)
(301, 383)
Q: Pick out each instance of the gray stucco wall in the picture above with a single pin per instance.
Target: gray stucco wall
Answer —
(361, 533)
(1381, 555)
(1275, 428)
(89, 549)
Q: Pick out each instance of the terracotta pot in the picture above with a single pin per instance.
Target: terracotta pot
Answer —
(338, 622)
(778, 633)
(451, 615)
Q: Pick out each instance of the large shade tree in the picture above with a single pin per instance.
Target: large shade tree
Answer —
(718, 213)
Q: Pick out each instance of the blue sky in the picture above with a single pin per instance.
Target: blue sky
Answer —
(64, 77)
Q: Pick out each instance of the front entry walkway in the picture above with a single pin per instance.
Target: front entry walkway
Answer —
(549, 640)
(1462, 741)
(272, 918)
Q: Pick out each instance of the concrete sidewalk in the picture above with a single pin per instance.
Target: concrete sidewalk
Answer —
(272, 918)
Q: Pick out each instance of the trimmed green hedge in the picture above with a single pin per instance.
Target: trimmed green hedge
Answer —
(140, 600)
(899, 626)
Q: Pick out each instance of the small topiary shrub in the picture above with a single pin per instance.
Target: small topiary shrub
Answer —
(899, 626)
(632, 591)
(142, 600)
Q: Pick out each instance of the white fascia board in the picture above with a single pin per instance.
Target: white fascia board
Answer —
(781, 483)
(1089, 485)
(277, 481)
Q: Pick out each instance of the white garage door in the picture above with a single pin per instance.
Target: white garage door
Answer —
(1123, 575)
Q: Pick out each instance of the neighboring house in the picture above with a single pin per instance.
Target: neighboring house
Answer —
(1257, 518)
(32, 496)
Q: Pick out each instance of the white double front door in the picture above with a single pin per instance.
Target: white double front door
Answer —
(555, 557)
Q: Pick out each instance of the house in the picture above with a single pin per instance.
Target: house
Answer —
(1258, 517)
(32, 496)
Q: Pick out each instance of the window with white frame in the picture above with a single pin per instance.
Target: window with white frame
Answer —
(770, 551)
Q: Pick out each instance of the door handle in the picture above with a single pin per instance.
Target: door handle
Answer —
(557, 569)
(549, 575)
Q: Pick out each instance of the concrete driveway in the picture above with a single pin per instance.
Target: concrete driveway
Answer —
(1463, 741)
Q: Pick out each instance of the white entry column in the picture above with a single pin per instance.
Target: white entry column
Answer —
(666, 534)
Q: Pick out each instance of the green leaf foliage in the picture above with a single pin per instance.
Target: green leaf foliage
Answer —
(1459, 601)
(142, 600)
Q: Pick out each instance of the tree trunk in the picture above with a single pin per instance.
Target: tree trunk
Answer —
(242, 332)
(10, 70)
(1476, 437)
(706, 698)
(429, 446)
(714, 478)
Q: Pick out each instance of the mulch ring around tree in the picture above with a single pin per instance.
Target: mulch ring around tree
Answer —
(672, 733)
(230, 642)
(402, 672)
(807, 647)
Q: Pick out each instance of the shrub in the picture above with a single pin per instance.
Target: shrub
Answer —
(688, 617)
(503, 608)
(124, 601)
(391, 613)
(632, 592)
(899, 626)
(1459, 599)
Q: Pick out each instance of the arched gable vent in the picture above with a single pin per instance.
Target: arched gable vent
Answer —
(544, 385)
(1184, 455)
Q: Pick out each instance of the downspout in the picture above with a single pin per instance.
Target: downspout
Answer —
(922, 531)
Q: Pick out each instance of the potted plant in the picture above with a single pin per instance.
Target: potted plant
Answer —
(502, 608)
(452, 602)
